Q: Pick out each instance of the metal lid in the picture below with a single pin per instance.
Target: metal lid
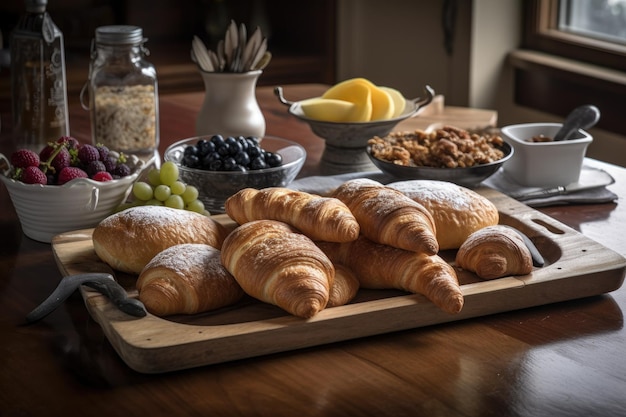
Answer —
(36, 6)
(119, 35)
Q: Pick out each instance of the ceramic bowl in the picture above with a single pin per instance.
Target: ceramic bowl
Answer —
(345, 143)
(216, 186)
(48, 210)
(470, 177)
(544, 164)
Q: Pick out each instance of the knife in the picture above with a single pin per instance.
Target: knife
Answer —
(102, 282)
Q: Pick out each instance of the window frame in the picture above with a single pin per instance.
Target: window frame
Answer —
(541, 33)
(586, 72)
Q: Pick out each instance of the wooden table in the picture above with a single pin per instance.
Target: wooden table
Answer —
(564, 359)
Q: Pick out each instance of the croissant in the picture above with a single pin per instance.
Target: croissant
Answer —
(495, 252)
(379, 266)
(186, 279)
(320, 218)
(388, 216)
(275, 263)
(345, 286)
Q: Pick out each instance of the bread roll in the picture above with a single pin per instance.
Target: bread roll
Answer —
(128, 240)
(458, 211)
(320, 218)
(389, 217)
(187, 279)
(276, 264)
(495, 252)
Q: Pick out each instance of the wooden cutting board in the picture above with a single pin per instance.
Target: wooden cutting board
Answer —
(576, 267)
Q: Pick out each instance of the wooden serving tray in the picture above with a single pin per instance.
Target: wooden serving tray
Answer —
(576, 267)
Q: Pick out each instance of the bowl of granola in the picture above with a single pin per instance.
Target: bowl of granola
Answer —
(444, 154)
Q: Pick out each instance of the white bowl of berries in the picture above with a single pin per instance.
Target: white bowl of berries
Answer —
(66, 186)
(219, 166)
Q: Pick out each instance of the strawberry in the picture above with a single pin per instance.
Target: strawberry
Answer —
(33, 175)
(69, 173)
(55, 156)
(102, 176)
(23, 158)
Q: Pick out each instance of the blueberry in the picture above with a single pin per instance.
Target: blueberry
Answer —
(229, 164)
(216, 165)
(258, 163)
(273, 159)
(243, 142)
(254, 151)
(191, 161)
(205, 147)
(217, 140)
(223, 149)
(191, 149)
(235, 148)
(242, 158)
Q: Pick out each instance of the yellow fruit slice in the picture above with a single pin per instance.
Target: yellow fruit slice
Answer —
(356, 91)
(399, 102)
(382, 104)
(328, 110)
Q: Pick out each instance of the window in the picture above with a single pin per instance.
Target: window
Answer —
(577, 51)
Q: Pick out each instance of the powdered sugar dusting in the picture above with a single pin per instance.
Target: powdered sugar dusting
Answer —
(458, 198)
(151, 215)
(183, 258)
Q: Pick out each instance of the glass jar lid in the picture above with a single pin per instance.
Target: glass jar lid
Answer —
(119, 35)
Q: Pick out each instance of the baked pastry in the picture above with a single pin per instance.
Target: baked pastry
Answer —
(379, 266)
(186, 279)
(276, 264)
(129, 239)
(320, 218)
(387, 216)
(345, 286)
(458, 211)
(495, 252)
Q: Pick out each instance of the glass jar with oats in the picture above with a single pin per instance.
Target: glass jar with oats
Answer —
(123, 93)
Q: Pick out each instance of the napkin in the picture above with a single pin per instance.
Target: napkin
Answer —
(591, 187)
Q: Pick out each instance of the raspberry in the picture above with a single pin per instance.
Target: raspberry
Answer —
(33, 175)
(88, 153)
(23, 158)
(121, 170)
(94, 167)
(104, 152)
(69, 173)
(102, 176)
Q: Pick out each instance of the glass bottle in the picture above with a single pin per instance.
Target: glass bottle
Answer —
(38, 81)
(123, 92)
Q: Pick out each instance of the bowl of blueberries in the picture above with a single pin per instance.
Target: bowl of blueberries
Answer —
(219, 166)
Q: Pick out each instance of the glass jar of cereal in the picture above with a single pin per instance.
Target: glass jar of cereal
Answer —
(123, 94)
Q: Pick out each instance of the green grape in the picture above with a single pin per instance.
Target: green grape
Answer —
(142, 191)
(178, 187)
(190, 194)
(162, 192)
(154, 202)
(175, 201)
(154, 177)
(169, 173)
(195, 206)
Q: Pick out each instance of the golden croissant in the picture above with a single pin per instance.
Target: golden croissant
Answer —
(379, 266)
(275, 263)
(186, 279)
(495, 252)
(320, 218)
(345, 286)
(388, 216)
